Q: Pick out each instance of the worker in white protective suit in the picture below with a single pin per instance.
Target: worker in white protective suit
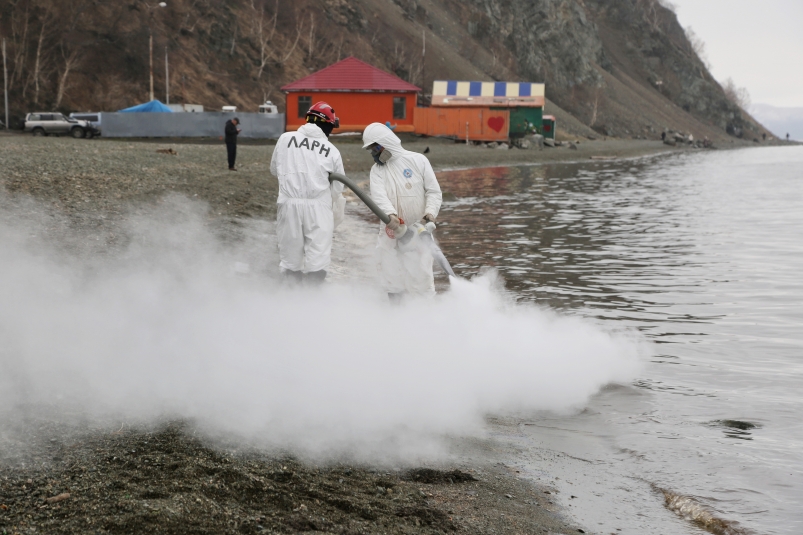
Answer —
(309, 207)
(404, 186)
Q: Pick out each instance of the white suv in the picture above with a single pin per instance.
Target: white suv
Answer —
(42, 124)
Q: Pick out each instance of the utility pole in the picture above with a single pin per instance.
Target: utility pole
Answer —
(167, 80)
(424, 58)
(150, 45)
(150, 39)
(5, 79)
(424, 65)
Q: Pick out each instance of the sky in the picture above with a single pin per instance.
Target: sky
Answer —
(757, 43)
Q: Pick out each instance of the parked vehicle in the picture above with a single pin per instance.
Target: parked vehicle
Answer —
(268, 108)
(93, 119)
(43, 124)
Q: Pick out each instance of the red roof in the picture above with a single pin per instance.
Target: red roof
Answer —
(351, 74)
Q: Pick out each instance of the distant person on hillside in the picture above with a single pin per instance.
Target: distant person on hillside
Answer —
(787, 136)
(232, 132)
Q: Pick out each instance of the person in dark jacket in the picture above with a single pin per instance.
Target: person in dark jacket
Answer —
(231, 141)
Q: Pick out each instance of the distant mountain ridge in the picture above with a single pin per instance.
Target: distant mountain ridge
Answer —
(619, 68)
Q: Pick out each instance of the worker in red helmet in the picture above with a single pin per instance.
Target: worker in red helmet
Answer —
(309, 207)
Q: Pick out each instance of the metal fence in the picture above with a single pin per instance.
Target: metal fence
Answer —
(205, 124)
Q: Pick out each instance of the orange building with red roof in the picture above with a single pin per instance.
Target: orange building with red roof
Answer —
(360, 93)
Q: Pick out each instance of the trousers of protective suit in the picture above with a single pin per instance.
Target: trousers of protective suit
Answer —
(403, 271)
(304, 228)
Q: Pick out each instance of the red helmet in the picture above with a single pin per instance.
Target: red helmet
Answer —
(325, 113)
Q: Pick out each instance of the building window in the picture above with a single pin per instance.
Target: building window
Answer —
(304, 104)
(400, 107)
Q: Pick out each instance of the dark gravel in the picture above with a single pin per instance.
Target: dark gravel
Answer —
(56, 478)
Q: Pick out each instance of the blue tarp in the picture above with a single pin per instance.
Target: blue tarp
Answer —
(152, 106)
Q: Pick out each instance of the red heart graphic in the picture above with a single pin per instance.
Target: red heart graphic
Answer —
(496, 123)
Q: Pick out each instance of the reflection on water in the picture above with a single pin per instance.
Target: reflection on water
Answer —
(703, 254)
(564, 234)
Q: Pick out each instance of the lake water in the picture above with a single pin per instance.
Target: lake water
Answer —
(703, 254)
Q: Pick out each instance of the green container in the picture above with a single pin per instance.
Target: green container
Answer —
(548, 127)
(524, 121)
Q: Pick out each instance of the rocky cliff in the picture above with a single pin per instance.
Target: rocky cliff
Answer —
(619, 68)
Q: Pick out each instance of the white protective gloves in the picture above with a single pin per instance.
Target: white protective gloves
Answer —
(394, 222)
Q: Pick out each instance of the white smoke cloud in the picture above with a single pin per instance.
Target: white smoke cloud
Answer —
(164, 327)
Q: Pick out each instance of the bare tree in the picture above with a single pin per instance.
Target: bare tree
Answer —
(399, 56)
(340, 47)
(653, 12)
(416, 71)
(594, 107)
(292, 48)
(192, 10)
(737, 95)
(264, 50)
(70, 62)
(234, 38)
(311, 42)
(39, 61)
(698, 46)
(20, 43)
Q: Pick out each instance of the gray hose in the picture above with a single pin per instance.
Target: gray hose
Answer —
(405, 236)
(361, 194)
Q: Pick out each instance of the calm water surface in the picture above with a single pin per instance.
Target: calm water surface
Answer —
(703, 254)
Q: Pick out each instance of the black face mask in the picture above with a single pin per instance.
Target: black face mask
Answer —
(380, 154)
(326, 127)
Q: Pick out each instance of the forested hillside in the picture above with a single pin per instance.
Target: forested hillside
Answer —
(621, 68)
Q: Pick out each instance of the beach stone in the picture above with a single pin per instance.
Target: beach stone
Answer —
(503, 146)
(536, 140)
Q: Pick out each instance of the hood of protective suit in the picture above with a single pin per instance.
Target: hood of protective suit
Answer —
(406, 185)
(379, 133)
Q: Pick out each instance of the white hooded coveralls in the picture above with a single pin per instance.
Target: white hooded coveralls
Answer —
(309, 207)
(405, 186)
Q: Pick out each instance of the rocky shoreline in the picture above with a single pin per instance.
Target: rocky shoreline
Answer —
(166, 478)
(82, 177)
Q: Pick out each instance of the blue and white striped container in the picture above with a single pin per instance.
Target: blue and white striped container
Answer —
(459, 93)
